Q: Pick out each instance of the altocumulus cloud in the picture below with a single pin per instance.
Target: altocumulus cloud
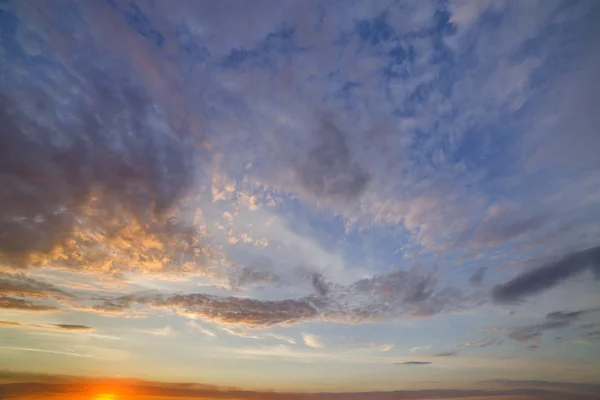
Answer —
(399, 293)
(67, 183)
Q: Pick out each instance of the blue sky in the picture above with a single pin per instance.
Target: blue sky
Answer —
(354, 195)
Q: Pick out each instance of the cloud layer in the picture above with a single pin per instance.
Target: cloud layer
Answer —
(303, 168)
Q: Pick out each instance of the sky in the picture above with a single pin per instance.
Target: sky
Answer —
(272, 198)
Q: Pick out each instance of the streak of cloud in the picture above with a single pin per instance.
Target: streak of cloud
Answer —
(11, 303)
(547, 276)
(55, 327)
(414, 363)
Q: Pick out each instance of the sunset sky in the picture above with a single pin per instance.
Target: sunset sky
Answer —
(270, 198)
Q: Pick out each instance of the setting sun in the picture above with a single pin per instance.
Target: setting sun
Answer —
(106, 396)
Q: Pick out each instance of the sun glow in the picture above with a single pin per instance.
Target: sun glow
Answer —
(106, 396)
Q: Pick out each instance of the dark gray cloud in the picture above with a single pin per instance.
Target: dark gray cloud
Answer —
(328, 170)
(592, 334)
(566, 315)
(589, 326)
(11, 303)
(547, 276)
(478, 275)
(447, 354)
(319, 284)
(117, 153)
(71, 327)
(414, 363)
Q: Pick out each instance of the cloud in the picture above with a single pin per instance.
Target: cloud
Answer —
(384, 347)
(531, 334)
(506, 223)
(417, 131)
(592, 334)
(547, 276)
(253, 274)
(20, 286)
(227, 310)
(283, 338)
(312, 341)
(327, 171)
(319, 284)
(65, 177)
(447, 354)
(36, 350)
(419, 348)
(240, 333)
(70, 327)
(399, 293)
(10, 303)
(414, 363)
(96, 190)
(166, 331)
(55, 327)
(589, 388)
(566, 315)
(481, 343)
(478, 275)
(197, 327)
(405, 293)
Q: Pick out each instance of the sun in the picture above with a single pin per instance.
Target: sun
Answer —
(105, 396)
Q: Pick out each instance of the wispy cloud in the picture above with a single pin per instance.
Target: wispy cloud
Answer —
(166, 331)
(481, 343)
(415, 363)
(531, 334)
(10, 303)
(419, 348)
(36, 350)
(19, 285)
(198, 327)
(478, 275)
(55, 327)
